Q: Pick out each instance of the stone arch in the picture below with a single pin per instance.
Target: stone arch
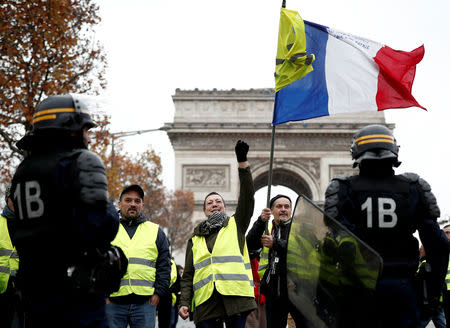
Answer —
(207, 124)
(289, 176)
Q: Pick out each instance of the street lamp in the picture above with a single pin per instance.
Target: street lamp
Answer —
(122, 134)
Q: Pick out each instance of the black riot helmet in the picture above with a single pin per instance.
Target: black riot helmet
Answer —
(374, 142)
(63, 112)
(59, 114)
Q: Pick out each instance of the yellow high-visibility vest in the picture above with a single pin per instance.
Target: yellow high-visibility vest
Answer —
(367, 276)
(264, 256)
(447, 277)
(141, 252)
(9, 260)
(225, 268)
(173, 278)
(302, 257)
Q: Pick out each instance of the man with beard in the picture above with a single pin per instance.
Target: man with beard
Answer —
(272, 266)
(217, 284)
(148, 274)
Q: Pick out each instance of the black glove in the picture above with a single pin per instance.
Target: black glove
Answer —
(241, 150)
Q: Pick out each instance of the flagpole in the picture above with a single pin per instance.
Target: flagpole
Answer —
(272, 149)
(269, 183)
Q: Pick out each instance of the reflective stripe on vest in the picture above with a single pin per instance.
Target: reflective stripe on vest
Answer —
(367, 276)
(225, 269)
(248, 265)
(142, 253)
(447, 277)
(264, 257)
(173, 273)
(302, 258)
(173, 279)
(9, 260)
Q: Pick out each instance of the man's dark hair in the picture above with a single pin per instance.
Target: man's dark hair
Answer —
(212, 193)
(134, 187)
(272, 201)
(447, 225)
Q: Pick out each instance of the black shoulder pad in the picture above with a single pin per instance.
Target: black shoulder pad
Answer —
(427, 197)
(413, 177)
(333, 188)
(93, 183)
(424, 185)
(332, 198)
(342, 177)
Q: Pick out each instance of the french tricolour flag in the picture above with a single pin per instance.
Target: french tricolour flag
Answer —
(351, 74)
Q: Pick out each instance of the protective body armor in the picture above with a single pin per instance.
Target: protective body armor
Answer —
(53, 213)
(225, 268)
(384, 212)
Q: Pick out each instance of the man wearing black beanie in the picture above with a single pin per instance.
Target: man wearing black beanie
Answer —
(272, 266)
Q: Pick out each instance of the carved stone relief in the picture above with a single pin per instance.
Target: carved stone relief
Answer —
(341, 169)
(226, 141)
(200, 177)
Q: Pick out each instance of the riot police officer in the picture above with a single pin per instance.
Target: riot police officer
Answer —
(64, 222)
(384, 210)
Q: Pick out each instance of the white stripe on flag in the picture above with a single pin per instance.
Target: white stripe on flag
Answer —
(352, 78)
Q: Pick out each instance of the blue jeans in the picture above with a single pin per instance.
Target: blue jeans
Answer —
(231, 322)
(174, 316)
(136, 315)
(438, 320)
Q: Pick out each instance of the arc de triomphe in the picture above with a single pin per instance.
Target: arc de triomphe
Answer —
(207, 124)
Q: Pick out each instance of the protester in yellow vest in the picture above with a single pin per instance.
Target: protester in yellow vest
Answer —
(9, 264)
(148, 274)
(217, 283)
(273, 262)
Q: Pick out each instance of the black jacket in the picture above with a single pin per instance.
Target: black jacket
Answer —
(280, 233)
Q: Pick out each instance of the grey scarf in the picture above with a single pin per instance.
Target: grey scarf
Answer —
(213, 223)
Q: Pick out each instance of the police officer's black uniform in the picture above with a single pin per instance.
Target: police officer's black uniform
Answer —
(64, 222)
(384, 210)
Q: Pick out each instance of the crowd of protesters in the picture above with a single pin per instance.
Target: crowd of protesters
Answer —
(112, 268)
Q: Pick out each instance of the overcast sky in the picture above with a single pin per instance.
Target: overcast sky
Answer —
(154, 47)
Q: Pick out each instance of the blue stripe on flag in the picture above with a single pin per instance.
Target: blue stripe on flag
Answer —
(308, 97)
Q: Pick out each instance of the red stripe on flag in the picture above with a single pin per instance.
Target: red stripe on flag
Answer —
(396, 76)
